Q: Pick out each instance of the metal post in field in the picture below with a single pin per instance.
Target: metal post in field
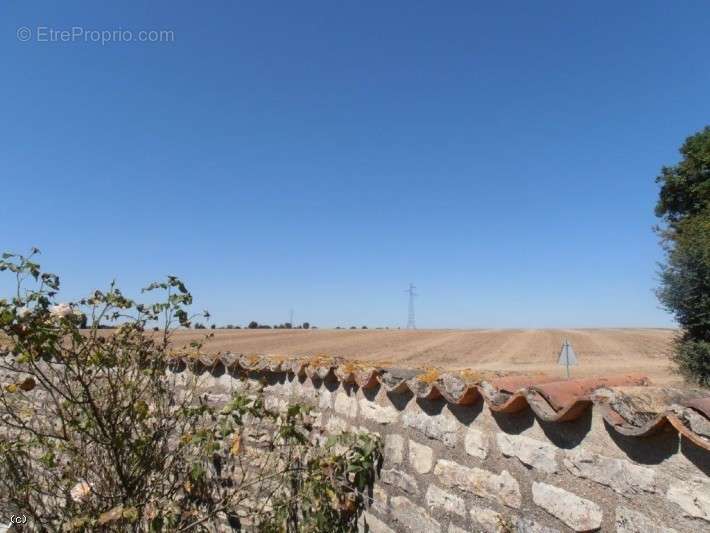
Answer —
(567, 356)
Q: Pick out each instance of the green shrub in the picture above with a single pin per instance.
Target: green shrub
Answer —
(96, 432)
(693, 358)
(684, 204)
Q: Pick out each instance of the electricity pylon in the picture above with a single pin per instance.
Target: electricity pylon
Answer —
(411, 324)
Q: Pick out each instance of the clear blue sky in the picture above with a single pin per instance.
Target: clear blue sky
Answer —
(323, 155)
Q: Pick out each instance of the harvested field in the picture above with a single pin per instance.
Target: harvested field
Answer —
(600, 351)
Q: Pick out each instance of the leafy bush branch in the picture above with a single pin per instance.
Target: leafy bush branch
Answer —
(96, 433)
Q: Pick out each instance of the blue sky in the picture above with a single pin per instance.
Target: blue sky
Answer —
(320, 156)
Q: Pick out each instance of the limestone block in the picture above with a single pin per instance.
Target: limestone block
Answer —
(526, 525)
(378, 413)
(366, 430)
(476, 443)
(531, 452)
(394, 446)
(325, 399)
(576, 512)
(443, 427)
(488, 520)
(437, 498)
(693, 497)
(500, 487)
(629, 521)
(379, 499)
(620, 475)
(420, 457)
(369, 523)
(398, 478)
(412, 517)
(345, 405)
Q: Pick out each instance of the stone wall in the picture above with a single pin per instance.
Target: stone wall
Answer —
(451, 468)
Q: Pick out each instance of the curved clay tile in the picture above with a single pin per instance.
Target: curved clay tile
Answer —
(469, 396)
(195, 367)
(345, 374)
(507, 394)
(514, 404)
(621, 426)
(274, 364)
(702, 405)
(295, 366)
(634, 413)
(512, 384)
(562, 401)
(208, 360)
(319, 371)
(692, 421)
(394, 380)
(560, 394)
(543, 410)
(426, 390)
(251, 362)
(367, 378)
(688, 433)
(229, 360)
(455, 389)
(176, 364)
(626, 403)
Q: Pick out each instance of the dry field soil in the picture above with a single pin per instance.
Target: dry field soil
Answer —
(600, 351)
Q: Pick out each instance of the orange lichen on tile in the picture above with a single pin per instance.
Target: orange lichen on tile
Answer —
(473, 376)
(252, 358)
(277, 358)
(429, 376)
(627, 403)
(350, 367)
(319, 360)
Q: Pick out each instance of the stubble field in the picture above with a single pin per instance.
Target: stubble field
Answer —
(600, 351)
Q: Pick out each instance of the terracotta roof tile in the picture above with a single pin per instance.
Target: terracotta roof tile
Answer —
(628, 404)
(701, 405)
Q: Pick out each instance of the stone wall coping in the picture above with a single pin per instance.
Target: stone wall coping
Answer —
(629, 404)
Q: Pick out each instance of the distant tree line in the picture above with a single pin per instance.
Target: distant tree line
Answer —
(286, 325)
(255, 325)
(252, 325)
(362, 327)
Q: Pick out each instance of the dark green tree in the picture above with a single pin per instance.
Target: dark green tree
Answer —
(684, 205)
